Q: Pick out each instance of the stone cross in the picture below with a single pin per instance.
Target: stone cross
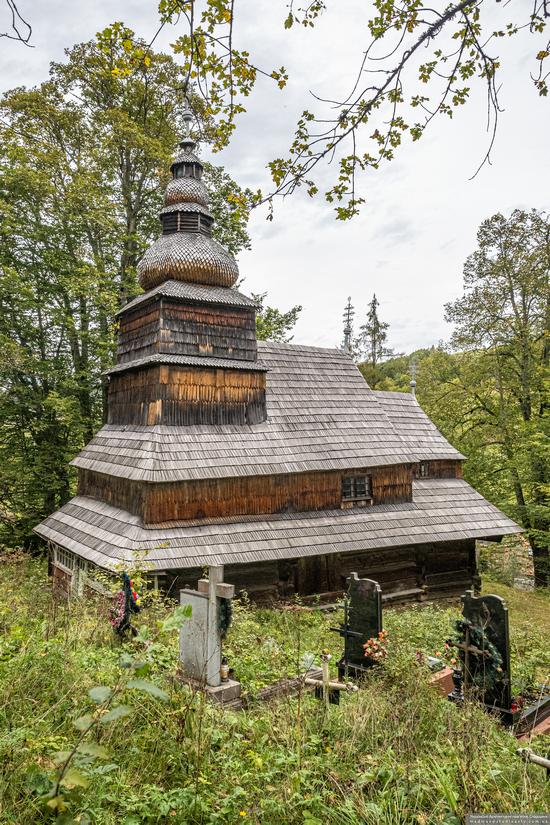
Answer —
(362, 621)
(200, 637)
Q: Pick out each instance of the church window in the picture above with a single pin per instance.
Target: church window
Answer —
(356, 488)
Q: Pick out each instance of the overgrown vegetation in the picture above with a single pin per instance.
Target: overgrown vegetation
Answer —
(393, 753)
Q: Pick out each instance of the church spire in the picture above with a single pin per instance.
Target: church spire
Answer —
(186, 250)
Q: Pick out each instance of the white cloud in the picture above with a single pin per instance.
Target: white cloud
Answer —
(422, 212)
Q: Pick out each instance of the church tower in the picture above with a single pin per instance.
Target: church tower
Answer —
(187, 351)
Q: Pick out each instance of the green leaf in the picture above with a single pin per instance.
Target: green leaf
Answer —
(126, 660)
(177, 618)
(60, 757)
(74, 778)
(100, 694)
(116, 713)
(148, 687)
(83, 722)
(93, 749)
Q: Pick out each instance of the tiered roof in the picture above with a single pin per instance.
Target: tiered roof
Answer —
(321, 416)
(442, 510)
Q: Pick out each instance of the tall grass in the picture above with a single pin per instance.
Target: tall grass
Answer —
(393, 753)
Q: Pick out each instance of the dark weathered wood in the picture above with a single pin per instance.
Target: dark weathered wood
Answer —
(438, 468)
(181, 328)
(175, 395)
(399, 573)
(250, 495)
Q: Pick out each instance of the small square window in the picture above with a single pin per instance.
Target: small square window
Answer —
(356, 487)
(424, 470)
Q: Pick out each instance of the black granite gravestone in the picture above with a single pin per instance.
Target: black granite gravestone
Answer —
(485, 654)
(362, 621)
(484, 651)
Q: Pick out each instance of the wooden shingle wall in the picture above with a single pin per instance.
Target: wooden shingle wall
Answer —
(441, 468)
(177, 395)
(139, 333)
(224, 332)
(255, 495)
(178, 328)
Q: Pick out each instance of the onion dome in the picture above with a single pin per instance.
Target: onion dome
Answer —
(186, 250)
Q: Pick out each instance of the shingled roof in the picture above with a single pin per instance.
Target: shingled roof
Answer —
(196, 293)
(321, 416)
(442, 510)
(415, 429)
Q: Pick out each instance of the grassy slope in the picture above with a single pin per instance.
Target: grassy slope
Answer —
(393, 753)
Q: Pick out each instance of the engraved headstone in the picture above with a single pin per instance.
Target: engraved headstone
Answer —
(362, 621)
(486, 630)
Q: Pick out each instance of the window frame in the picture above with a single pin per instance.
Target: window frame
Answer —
(365, 481)
(424, 469)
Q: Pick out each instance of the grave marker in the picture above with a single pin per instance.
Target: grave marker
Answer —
(488, 618)
(362, 621)
(484, 652)
(201, 637)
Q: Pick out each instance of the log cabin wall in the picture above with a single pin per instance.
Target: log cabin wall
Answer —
(179, 328)
(177, 395)
(249, 495)
(439, 468)
(408, 573)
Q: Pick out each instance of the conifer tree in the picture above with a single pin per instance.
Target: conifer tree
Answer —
(372, 342)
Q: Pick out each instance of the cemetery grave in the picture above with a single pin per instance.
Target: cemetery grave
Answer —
(485, 674)
(238, 755)
(362, 621)
(482, 644)
(201, 638)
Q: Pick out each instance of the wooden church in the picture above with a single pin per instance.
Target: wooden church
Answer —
(275, 460)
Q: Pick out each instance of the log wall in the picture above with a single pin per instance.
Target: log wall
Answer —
(249, 495)
(177, 395)
(407, 573)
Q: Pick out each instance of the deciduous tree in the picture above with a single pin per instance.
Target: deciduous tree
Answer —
(83, 160)
(491, 398)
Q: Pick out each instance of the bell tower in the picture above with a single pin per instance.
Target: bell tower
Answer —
(187, 350)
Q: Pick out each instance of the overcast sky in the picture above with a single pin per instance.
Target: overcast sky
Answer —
(421, 214)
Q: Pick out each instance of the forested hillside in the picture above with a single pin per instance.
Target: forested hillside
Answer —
(488, 389)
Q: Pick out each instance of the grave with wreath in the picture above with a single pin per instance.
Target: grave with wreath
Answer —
(364, 638)
(201, 638)
(482, 641)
